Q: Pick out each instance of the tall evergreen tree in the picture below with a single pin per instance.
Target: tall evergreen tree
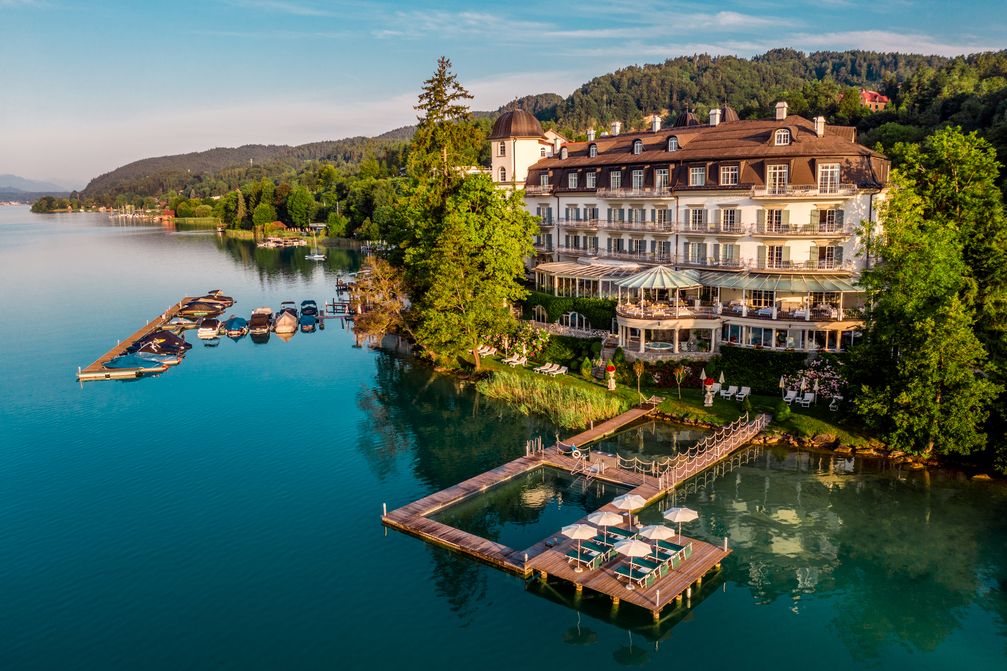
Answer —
(436, 150)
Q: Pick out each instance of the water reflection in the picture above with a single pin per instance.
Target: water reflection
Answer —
(288, 263)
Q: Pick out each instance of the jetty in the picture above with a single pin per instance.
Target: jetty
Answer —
(547, 558)
(97, 371)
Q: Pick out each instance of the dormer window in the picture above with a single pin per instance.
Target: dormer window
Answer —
(571, 180)
(672, 143)
(637, 146)
(502, 148)
(592, 150)
(563, 153)
(781, 137)
(543, 180)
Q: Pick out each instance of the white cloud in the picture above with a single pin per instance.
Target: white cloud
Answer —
(283, 7)
(883, 40)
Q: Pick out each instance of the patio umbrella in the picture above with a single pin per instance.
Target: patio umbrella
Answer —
(721, 378)
(657, 532)
(680, 515)
(629, 502)
(604, 519)
(814, 388)
(783, 383)
(702, 377)
(804, 384)
(632, 548)
(579, 532)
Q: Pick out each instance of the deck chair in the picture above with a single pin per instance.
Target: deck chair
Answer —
(544, 368)
(743, 394)
(559, 370)
(791, 396)
(716, 388)
(805, 402)
(729, 392)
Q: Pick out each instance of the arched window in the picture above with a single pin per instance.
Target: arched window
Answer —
(637, 146)
(541, 151)
(563, 153)
(592, 150)
(672, 143)
(502, 148)
(782, 137)
(540, 314)
(503, 174)
(574, 320)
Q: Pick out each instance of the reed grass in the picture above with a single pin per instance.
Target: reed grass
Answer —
(571, 406)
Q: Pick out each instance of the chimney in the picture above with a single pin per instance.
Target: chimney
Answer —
(715, 116)
(590, 135)
(781, 111)
(820, 126)
(655, 123)
(555, 146)
(616, 127)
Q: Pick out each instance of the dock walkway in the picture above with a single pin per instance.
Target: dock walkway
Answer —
(548, 558)
(96, 370)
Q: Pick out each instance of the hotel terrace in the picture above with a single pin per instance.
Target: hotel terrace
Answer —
(733, 231)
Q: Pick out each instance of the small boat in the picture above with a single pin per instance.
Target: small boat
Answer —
(287, 306)
(286, 322)
(261, 322)
(182, 323)
(160, 341)
(158, 357)
(217, 296)
(308, 323)
(309, 307)
(132, 361)
(315, 255)
(201, 309)
(236, 327)
(260, 338)
(209, 328)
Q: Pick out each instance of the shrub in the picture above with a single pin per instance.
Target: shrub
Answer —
(759, 369)
(782, 413)
(567, 351)
(585, 368)
(599, 311)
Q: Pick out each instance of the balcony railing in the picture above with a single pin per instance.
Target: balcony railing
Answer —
(804, 191)
(685, 310)
(814, 230)
(774, 264)
(630, 192)
(694, 309)
(713, 228)
(668, 258)
(648, 226)
(538, 190)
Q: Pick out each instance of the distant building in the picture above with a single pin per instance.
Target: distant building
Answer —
(873, 100)
(516, 142)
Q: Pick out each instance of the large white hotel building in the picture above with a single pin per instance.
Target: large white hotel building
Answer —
(754, 227)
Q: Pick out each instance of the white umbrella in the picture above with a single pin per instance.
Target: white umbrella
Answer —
(702, 377)
(605, 519)
(657, 532)
(579, 532)
(632, 548)
(804, 384)
(783, 383)
(629, 502)
(815, 389)
(721, 378)
(680, 515)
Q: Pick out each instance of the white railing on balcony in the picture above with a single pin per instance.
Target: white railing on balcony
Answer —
(538, 190)
(804, 191)
(714, 228)
(814, 230)
(651, 226)
(682, 261)
(630, 192)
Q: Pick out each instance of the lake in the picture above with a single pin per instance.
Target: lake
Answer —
(225, 514)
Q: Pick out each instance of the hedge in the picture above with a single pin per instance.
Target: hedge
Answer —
(759, 369)
(599, 311)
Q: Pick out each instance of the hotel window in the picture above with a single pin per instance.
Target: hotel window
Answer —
(637, 146)
(776, 179)
(782, 137)
(637, 180)
(776, 256)
(697, 219)
(541, 151)
(729, 175)
(672, 143)
(637, 215)
(661, 178)
(571, 180)
(615, 179)
(545, 212)
(592, 150)
(661, 216)
(697, 176)
(563, 153)
(829, 221)
(591, 179)
(830, 257)
(502, 148)
(503, 174)
(828, 178)
(761, 299)
(543, 180)
(774, 221)
(591, 213)
(730, 221)
(572, 213)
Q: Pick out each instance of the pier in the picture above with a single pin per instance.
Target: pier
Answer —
(96, 370)
(547, 558)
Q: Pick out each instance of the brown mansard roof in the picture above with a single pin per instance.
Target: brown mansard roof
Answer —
(516, 123)
(736, 140)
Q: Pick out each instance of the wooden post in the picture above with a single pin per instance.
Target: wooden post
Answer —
(384, 509)
(543, 576)
(688, 592)
(580, 588)
(725, 543)
(615, 601)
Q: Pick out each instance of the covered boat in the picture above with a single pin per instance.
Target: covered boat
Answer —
(235, 327)
(308, 323)
(201, 309)
(309, 307)
(286, 322)
(217, 296)
(160, 341)
(166, 358)
(208, 328)
(182, 323)
(288, 306)
(261, 322)
(133, 361)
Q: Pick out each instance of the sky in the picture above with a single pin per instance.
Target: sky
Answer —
(86, 87)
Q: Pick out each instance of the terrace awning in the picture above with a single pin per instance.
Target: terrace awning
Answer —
(793, 283)
(591, 271)
(661, 277)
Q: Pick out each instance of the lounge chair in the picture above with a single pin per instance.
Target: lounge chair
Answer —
(743, 394)
(809, 397)
(520, 361)
(561, 370)
(716, 387)
(729, 392)
(546, 367)
(637, 574)
(512, 357)
(835, 403)
(791, 396)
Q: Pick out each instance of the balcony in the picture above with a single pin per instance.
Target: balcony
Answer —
(667, 310)
(787, 310)
(630, 192)
(804, 191)
(813, 230)
(642, 226)
(776, 265)
(538, 190)
(713, 229)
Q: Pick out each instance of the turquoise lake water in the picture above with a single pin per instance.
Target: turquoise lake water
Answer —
(225, 515)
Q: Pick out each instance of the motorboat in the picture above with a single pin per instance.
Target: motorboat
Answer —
(261, 322)
(288, 306)
(260, 338)
(218, 295)
(160, 341)
(209, 328)
(201, 309)
(308, 323)
(168, 359)
(182, 323)
(235, 327)
(286, 322)
(309, 307)
(134, 362)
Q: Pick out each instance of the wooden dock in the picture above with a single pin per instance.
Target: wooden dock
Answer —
(548, 558)
(96, 370)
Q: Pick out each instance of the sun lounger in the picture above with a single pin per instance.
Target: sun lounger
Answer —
(512, 357)
(743, 394)
(585, 557)
(806, 402)
(546, 367)
(716, 387)
(623, 534)
(520, 361)
(790, 397)
(640, 576)
(729, 392)
(558, 371)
